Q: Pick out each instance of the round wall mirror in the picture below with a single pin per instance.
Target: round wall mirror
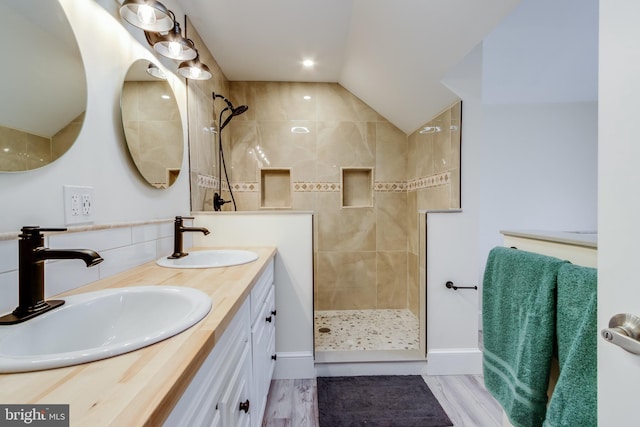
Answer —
(152, 124)
(43, 84)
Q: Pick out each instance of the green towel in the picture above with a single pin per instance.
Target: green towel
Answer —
(518, 314)
(574, 399)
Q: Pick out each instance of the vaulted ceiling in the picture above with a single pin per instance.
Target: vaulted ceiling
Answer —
(392, 54)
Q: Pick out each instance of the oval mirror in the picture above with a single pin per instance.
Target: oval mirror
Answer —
(152, 124)
(43, 84)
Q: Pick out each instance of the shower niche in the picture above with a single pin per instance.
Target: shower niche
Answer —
(275, 188)
(357, 187)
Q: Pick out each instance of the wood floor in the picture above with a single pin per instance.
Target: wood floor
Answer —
(293, 403)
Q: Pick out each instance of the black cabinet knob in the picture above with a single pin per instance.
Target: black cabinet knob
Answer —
(268, 319)
(244, 406)
(274, 357)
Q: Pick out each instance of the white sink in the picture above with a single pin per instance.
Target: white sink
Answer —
(98, 325)
(210, 258)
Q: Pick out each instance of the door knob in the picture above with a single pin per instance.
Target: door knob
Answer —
(624, 331)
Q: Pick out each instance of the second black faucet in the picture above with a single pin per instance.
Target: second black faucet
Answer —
(178, 229)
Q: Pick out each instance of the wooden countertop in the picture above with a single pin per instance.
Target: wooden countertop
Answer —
(141, 387)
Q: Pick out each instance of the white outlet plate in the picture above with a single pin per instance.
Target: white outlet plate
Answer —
(78, 204)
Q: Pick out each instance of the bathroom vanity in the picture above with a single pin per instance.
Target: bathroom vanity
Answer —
(215, 373)
(579, 247)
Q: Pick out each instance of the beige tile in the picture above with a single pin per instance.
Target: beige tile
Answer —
(412, 221)
(337, 103)
(284, 101)
(437, 197)
(349, 229)
(342, 144)
(442, 143)
(391, 153)
(413, 295)
(247, 201)
(346, 270)
(391, 221)
(392, 280)
(244, 159)
(282, 148)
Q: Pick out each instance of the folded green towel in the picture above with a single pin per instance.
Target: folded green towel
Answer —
(574, 399)
(518, 315)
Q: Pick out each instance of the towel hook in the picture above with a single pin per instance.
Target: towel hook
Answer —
(450, 285)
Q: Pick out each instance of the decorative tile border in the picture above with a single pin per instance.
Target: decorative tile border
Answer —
(310, 187)
(429, 181)
(390, 187)
(243, 187)
(326, 187)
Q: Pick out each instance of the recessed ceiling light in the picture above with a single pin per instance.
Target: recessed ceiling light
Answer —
(300, 129)
(306, 97)
(308, 63)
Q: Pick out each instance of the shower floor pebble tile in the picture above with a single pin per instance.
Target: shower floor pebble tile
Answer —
(366, 330)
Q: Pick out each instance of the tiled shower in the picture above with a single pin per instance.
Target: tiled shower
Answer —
(317, 147)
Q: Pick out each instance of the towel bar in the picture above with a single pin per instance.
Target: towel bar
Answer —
(450, 285)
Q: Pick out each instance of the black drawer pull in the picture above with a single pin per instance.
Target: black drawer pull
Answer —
(273, 312)
(244, 406)
(268, 319)
(274, 357)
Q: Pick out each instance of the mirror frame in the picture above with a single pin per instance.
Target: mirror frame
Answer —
(45, 85)
(152, 125)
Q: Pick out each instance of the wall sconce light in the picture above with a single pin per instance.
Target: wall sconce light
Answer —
(172, 44)
(194, 69)
(156, 72)
(149, 15)
(163, 33)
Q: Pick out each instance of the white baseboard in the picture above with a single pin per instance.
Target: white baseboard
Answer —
(415, 367)
(294, 365)
(453, 361)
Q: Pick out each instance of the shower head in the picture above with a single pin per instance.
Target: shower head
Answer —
(239, 110)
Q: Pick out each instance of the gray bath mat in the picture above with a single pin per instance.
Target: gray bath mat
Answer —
(378, 401)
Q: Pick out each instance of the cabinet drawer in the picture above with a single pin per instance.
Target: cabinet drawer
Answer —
(236, 403)
(260, 291)
(198, 405)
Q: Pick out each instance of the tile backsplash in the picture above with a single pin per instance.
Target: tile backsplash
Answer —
(122, 246)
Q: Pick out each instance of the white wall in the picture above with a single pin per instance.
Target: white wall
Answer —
(529, 123)
(539, 135)
(539, 169)
(99, 157)
(292, 234)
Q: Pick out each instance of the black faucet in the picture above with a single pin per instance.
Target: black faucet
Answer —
(178, 229)
(32, 255)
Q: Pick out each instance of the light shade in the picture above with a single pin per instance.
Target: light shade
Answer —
(174, 46)
(156, 72)
(149, 15)
(194, 70)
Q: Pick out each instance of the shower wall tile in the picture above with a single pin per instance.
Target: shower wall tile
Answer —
(412, 221)
(391, 221)
(391, 153)
(413, 284)
(343, 144)
(246, 201)
(337, 270)
(335, 103)
(435, 197)
(304, 201)
(340, 229)
(300, 152)
(391, 280)
(244, 158)
(283, 101)
(442, 143)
